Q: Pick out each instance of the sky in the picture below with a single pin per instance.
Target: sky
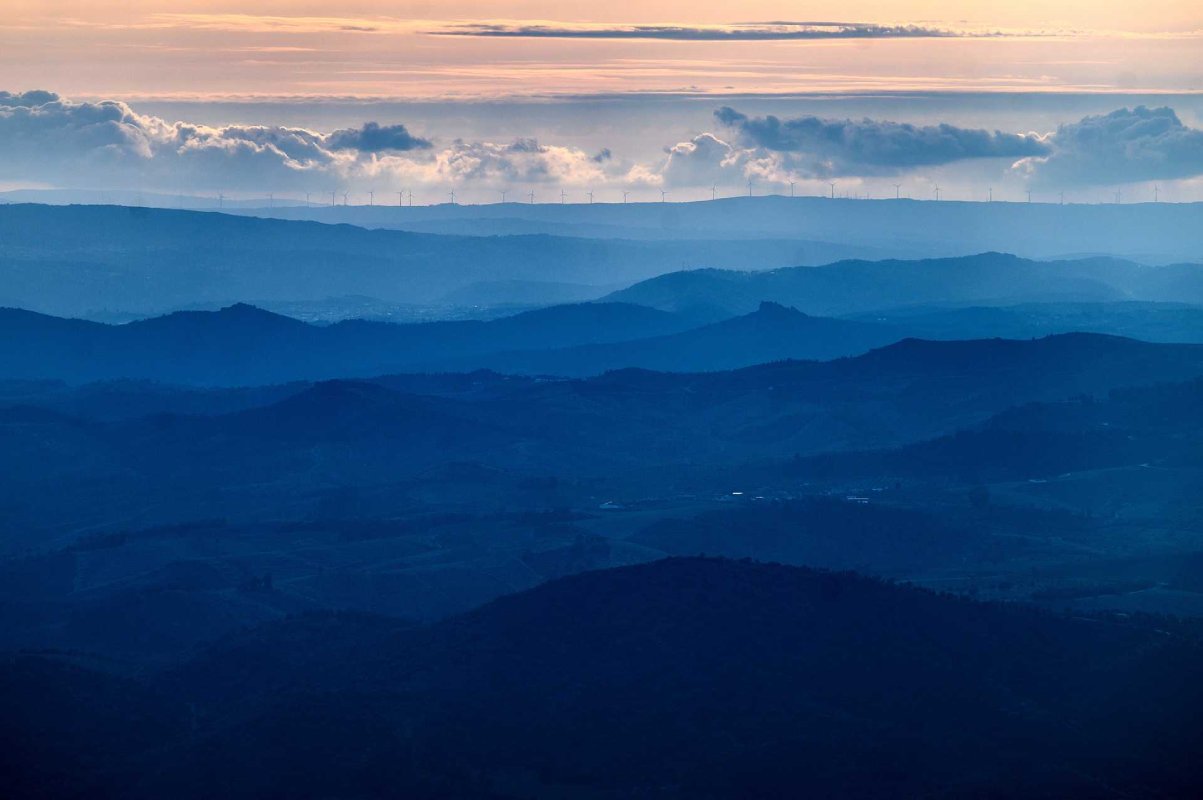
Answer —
(258, 96)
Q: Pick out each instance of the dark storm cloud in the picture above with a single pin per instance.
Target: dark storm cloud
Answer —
(376, 138)
(866, 146)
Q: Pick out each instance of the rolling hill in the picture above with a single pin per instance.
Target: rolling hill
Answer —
(1148, 321)
(1147, 232)
(827, 229)
(858, 287)
(97, 261)
(623, 682)
(771, 333)
(630, 425)
(244, 345)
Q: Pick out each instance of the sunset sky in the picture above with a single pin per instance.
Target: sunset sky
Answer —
(631, 80)
(393, 49)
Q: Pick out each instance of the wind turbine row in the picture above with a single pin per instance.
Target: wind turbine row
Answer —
(406, 197)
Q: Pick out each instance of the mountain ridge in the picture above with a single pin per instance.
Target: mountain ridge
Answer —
(857, 286)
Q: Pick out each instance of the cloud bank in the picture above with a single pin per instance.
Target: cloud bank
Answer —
(762, 31)
(50, 140)
(46, 138)
(821, 148)
(1125, 146)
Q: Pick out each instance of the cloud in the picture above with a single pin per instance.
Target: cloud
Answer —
(50, 140)
(523, 161)
(707, 160)
(36, 97)
(818, 147)
(702, 161)
(763, 31)
(376, 138)
(40, 125)
(46, 138)
(252, 23)
(1125, 146)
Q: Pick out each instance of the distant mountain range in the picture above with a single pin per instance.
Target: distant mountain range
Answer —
(659, 324)
(1148, 321)
(243, 345)
(774, 332)
(860, 287)
(99, 260)
(1147, 232)
(771, 333)
(830, 228)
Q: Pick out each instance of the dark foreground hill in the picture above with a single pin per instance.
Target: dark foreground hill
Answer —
(682, 678)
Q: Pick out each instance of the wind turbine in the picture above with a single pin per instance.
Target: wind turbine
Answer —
(590, 197)
(371, 197)
(307, 199)
(532, 197)
(333, 195)
(1029, 195)
(625, 195)
(937, 192)
(897, 188)
(411, 197)
(749, 187)
(791, 188)
(345, 198)
(504, 192)
(663, 196)
(563, 196)
(1156, 193)
(714, 192)
(1061, 196)
(991, 190)
(221, 201)
(271, 200)
(832, 185)
(400, 198)
(452, 194)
